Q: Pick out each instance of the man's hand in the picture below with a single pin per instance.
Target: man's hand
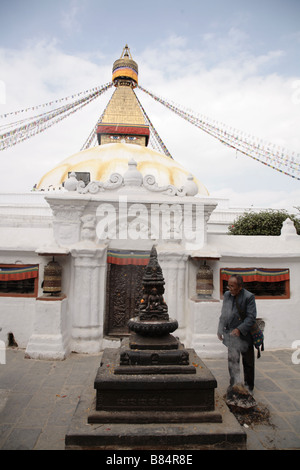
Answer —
(235, 332)
(220, 337)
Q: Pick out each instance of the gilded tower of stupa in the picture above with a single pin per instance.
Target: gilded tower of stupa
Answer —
(123, 134)
(123, 119)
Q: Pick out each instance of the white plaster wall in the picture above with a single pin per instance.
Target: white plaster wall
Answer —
(203, 320)
(17, 313)
(17, 246)
(281, 316)
(17, 317)
(21, 235)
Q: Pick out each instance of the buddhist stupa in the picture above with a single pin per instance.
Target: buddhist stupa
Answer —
(122, 134)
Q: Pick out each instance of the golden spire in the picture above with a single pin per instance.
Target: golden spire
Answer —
(123, 119)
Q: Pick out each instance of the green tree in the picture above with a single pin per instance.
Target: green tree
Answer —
(265, 222)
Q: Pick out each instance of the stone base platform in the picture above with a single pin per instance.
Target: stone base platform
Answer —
(164, 391)
(163, 411)
(81, 435)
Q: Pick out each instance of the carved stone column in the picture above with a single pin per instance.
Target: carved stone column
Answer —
(87, 311)
(174, 267)
(66, 219)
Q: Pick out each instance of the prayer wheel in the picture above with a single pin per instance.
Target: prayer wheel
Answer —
(52, 278)
(205, 286)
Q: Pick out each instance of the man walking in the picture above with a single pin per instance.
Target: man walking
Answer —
(237, 317)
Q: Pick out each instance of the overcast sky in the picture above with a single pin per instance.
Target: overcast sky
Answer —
(235, 61)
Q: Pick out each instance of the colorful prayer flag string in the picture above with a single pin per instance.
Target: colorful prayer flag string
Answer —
(33, 126)
(270, 155)
(93, 134)
(158, 143)
(51, 103)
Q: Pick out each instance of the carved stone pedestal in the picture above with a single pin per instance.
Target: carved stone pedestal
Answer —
(152, 377)
(50, 338)
(135, 360)
(152, 391)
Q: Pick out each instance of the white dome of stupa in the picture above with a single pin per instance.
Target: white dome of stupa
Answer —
(104, 160)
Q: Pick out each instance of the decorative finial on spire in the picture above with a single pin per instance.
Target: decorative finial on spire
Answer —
(126, 52)
(125, 70)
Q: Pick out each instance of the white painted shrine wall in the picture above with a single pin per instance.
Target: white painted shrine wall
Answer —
(17, 314)
(17, 317)
(26, 225)
(281, 316)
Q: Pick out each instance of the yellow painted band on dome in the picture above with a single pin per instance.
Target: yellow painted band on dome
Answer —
(59, 170)
(103, 160)
(158, 170)
(125, 72)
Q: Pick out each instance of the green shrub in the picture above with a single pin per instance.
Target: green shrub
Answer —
(266, 222)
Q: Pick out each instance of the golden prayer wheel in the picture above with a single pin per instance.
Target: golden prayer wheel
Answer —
(52, 278)
(205, 286)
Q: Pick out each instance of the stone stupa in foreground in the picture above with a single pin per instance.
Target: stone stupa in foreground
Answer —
(151, 391)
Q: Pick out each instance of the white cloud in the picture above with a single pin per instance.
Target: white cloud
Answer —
(232, 91)
(2, 92)
(261, 199)
(41, 72)
(69, 18)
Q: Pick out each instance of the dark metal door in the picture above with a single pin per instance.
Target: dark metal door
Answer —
(123, 295)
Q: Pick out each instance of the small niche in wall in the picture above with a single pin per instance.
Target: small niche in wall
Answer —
(18, 280)
(264, 283)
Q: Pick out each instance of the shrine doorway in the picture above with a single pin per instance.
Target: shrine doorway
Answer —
(123, 289)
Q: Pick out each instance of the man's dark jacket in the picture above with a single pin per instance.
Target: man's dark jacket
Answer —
(230, 316)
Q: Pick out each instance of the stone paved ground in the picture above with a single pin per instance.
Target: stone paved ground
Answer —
(38, 399)
(277, 387)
